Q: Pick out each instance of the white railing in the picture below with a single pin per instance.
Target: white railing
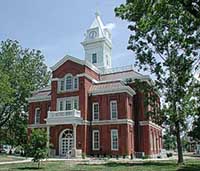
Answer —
(117, 69)
(64, 113)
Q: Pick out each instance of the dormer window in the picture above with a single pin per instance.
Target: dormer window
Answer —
(94, 58)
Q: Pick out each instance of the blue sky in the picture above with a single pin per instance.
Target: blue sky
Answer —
(57, 27)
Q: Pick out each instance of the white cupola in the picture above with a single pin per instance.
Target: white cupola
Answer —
(98, 45)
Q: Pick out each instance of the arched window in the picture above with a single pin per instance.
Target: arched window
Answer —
(69, 82)
(37, 115)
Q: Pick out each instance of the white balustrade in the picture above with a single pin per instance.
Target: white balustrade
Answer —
(64, 113)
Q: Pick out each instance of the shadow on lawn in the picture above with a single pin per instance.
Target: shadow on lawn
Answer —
(190, 167)
(29, 168)
(114, 164)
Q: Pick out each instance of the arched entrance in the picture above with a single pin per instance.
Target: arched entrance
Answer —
(66, 142)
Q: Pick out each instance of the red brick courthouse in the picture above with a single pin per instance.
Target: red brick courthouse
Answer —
(91, 108)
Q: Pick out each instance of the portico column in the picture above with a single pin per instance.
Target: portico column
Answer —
(74, 131)
(48, 137)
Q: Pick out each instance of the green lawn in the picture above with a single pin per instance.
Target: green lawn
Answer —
(191, 165)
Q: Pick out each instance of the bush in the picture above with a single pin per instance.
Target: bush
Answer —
(37, 147)
(83, 155)
(169, 154)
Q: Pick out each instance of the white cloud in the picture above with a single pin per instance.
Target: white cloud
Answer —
(110, 26)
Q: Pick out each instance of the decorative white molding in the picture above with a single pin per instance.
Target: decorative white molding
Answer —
(86, 122)
(37, 125)
(88, 77)
(113, 122)
(144, 123)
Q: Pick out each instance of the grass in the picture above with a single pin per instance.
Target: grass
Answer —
(5, 158)
(190, 165)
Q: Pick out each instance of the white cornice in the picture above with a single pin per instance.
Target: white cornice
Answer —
(124, 89)
(144, 123)
(86, 122)
(88, 77)
(113, 122)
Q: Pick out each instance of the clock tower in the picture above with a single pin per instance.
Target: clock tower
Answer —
(98, 45)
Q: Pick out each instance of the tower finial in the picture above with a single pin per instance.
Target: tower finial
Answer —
(97, 13)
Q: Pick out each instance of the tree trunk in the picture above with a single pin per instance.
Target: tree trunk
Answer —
(179, 143)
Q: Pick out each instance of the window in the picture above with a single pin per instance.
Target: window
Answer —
(68, 105)
(75, 83)
(68, 82)
(94, 58)
(114, 139)
(95, 111)
(61, 105)
(76, 104)
(37, 115)
(96, 140)
(113, 109)
(107, 60)
(62, 82)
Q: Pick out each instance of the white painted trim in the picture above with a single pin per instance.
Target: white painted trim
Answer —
(114, 130)
(37, 125)
(144, 123)
(93, 132)
(113, 101)
(124, 89)
(54, 79)
(60, 136)
(36, 109)
(88, 77)
(64, 99)
(95, 103)
(113, 122)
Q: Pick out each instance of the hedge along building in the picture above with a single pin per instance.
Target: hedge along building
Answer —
(90, 107)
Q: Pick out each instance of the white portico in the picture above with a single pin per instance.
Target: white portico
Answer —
(67, 138)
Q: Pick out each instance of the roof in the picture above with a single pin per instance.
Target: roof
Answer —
(121, 73)
(76, 60)
(43, 94)
(110, 88)
(98, 23)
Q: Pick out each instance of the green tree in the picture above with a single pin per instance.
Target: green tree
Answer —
(165, 39)
(169, 141)
(21, 71)
(37, 147)
(195, 133)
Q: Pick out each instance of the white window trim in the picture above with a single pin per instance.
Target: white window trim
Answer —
(93, 132)
(64, 79)
(95, 103)
(68, 75)
(72, 98)
(36, 109)
(74, 83)
(114, 130)
(111, 115)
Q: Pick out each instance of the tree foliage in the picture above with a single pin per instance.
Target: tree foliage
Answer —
(37, 147)
(165, 38)
(21, 71)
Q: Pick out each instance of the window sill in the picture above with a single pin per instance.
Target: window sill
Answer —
(65, 91)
